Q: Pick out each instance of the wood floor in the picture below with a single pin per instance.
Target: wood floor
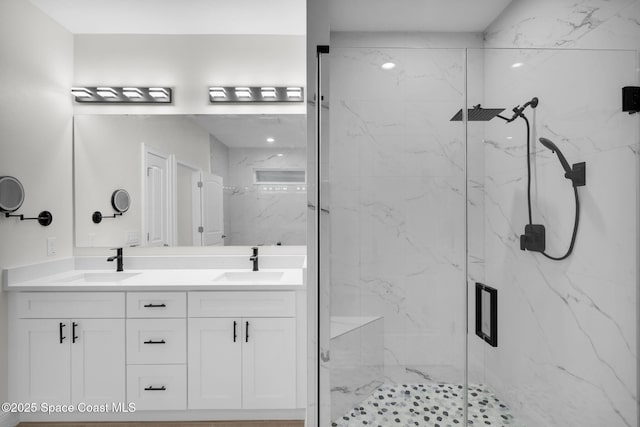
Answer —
(296, 423)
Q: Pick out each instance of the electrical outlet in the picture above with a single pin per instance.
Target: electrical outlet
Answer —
(51, 246)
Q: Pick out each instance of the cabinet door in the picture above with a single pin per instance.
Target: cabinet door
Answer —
(215, 358)
(269, 363)
(44, 361)
(97, 361)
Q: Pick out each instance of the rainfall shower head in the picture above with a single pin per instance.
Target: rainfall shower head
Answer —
(551, 146)
(478, 114)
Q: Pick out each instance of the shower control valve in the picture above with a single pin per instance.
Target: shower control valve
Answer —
(533, 238)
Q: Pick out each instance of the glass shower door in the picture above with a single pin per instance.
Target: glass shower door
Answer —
(395, 190)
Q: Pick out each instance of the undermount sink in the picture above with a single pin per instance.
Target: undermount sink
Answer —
(250, 276)
(98, 277)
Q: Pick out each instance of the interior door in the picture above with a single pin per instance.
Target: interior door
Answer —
(156, 193)
(212, 217)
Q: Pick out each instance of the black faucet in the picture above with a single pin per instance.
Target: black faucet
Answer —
(254, 258)
(117, 257)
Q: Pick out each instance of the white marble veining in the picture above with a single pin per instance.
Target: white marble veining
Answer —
(397, 202)
(357, 360)
(588, 24)
(567, 351)
(264, 214)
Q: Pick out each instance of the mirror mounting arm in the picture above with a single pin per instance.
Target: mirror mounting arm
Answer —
(44, 218)
(97, 216)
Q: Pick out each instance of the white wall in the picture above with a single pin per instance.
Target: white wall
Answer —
(108, 156)
(567, 350)
(35, 139)
(190, 64)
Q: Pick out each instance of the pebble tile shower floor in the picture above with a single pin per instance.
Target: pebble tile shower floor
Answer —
(428, 405)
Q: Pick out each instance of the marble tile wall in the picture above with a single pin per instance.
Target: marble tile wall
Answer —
(397, 203)
(357, 361)
(567, 353)
(264, 214)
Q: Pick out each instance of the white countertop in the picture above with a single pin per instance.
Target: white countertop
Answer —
(165, 280)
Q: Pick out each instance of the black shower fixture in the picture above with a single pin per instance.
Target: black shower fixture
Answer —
(478, 114)
(577, 173)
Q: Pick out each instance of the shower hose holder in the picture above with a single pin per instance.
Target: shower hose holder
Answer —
(533, 238)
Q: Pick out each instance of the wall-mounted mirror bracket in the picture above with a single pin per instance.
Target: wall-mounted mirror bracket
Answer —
(44, 218)
(120, 201)
(97, 216)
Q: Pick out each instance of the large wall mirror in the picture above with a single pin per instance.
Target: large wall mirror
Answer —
(193, 180)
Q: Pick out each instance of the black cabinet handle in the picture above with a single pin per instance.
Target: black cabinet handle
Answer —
(73, 332)
(152, 388)
(246, 339)
(62, 337)
(155, 305)
(235, 330)
(154, 342)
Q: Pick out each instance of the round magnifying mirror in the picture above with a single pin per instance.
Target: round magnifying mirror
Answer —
(120, 200)
(11, 194)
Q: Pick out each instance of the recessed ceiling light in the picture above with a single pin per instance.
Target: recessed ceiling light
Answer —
(270, 140)
(517, 65)
(388, 66)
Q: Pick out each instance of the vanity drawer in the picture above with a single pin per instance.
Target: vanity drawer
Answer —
(242, 304)
(157, 387)
(79, 305)
(156, 341)
(156, 304)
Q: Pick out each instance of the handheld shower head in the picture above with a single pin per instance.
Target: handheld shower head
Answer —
(551, 146)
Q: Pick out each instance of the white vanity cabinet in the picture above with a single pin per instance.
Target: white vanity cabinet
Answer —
(70, 347)
(242, 350)
(157, 350)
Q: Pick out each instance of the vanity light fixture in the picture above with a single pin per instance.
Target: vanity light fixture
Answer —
(106, 92)
(217, 92)
(268, 92)
(388, 66)
(271, 140)
(251, 94)
(132, 92)
(158, 92)
(122, 95)
(517, 65)
(243, 92)
(80, 92)
(294, 92)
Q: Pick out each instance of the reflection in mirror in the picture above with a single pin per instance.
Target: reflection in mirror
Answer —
(192, 180)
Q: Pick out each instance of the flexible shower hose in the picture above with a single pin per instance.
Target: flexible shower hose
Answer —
(575, 192)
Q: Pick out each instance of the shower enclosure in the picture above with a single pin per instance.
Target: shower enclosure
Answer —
(416, 211)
